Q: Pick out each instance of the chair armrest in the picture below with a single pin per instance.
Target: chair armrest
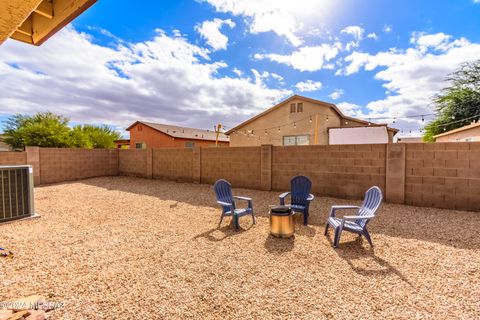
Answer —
(225, 204)
(283, 195)
(282, 198)
(358, 217)
(341, 207)
(249, 200)
(243, 198)
(310, 197)
(345, 207)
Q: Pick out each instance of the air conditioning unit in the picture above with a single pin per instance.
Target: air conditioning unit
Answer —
(16, 192)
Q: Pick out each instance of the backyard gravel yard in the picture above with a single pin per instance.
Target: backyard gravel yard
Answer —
(130, 248)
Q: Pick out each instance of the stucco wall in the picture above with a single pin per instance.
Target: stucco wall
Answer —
(473, 133)
(282, 116)
(361, 135)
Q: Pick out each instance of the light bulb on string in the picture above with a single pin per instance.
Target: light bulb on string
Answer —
(310, 119)
(423, 119)
(327, 119)
(266, 132)
(369, 122)
(278, 129)
(295, 125)
(394, 120)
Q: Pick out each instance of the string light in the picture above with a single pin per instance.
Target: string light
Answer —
(310, 119)
(327, 119)
(295, 125)
(423, 119)
(266, 133)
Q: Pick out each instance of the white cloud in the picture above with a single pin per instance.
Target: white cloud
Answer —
(356, 31)
(350, 109)
(305, 58)
(336, 94)
(261, 77)
(387, 28)
(210, 30)
(438, 41)
(283, 17)
(238, 72)
(166, 79)
(412, 76)
(309, 85)
(372, 36)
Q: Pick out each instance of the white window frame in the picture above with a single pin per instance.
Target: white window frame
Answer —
(296, 138)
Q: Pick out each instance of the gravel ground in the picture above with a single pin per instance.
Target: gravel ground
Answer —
(128, 248)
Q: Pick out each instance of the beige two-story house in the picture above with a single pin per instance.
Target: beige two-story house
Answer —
(300, 120)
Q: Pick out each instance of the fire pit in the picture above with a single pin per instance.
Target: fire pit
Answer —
(282, 222)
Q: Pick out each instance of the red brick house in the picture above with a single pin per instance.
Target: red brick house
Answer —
(155, 135)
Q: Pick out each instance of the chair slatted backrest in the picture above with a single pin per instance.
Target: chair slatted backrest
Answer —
(370, 205)
(300, 190)
(223, 192)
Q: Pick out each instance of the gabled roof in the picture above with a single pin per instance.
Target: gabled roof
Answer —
(296, 96)
(464, 128)
(183, 132)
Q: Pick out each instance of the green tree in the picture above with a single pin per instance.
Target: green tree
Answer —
(42, 129)
(89, 136)
(459, 101)
(50, 130)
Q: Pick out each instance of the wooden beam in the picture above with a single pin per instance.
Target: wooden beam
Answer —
(12, 14)
(45, 8)
(65, 11)
(22, 37)
(26, 27)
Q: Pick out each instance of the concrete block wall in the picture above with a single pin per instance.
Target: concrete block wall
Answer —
(345, 171)
(12, 158)
(444, 175)
(57, 165)
(133, 162)
(241, 166)
(173, 164)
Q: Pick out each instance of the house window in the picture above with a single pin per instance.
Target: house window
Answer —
(302, 140)
(189, 144)
(139, 128)
(299, 107)
(292, 108)
(140, 145)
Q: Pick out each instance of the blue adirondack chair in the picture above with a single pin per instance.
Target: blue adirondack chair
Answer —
(300, 196)
(357, 223)
(223, 192)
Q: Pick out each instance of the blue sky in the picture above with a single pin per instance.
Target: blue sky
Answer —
(197, 63)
